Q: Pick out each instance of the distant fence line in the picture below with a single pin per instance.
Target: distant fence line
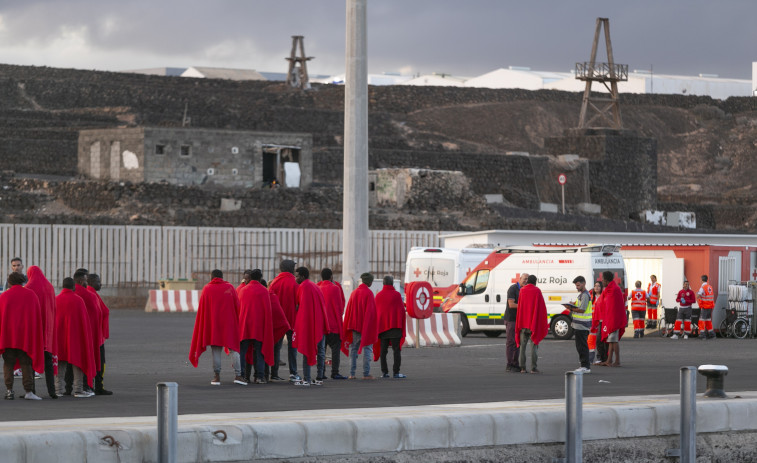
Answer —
(139, 256)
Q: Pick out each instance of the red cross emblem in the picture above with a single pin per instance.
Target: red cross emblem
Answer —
(517, 277)
(417, 272)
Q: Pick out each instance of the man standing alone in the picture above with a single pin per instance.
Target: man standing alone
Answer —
(390, 312)
(511, 347)
(531, 322)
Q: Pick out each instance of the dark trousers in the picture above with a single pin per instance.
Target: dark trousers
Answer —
(291, 354)
(396, 352)
(274, 370)
(101, 370)
(10, 356)
(582, 347)
(601, 346)
(257, 358)
(49, 374)
(334, 342)
(511, 348)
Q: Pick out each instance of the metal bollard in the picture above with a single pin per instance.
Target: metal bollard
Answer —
(574, 392)
(168, 421)
(688, 442)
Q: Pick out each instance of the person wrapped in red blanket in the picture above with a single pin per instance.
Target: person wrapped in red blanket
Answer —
(614, 318)
(360, 326)
(390, 314)
(73, 336)
(531, 323)
(256, 326)
(46, 295)
(310, 328)
(334, 297)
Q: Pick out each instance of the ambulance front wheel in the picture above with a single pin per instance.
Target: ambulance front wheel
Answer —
(561, 328)
(464, 326)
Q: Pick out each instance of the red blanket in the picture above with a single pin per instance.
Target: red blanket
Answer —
(597, 313)
(280, 322)
(255, 319)
(311, 324)
(334, 297)
(360, 316)
(73, 333)
(94, 314)
(105, 311)
(217, 321)
(532, 314)
(390, 313)
(284, 286)
(21, 324)
(613, 311)
(46, 295)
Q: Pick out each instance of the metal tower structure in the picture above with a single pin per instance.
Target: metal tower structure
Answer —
(297, 76)
(606, 110)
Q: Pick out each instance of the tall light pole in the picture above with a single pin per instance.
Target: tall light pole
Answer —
(355, 208)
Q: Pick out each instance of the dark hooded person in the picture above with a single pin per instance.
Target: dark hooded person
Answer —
(256, 326)
(21, 336)
(217, 326)
(360, 326)
(93, 286)
(284, 286)
(310, 328)
(334, 298)
(531, 323)
(73, 335)
(390, 315)
(46, 295)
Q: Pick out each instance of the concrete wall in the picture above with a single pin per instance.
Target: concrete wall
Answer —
(107, 152)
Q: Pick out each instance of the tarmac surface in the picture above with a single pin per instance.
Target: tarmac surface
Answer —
(147, 348)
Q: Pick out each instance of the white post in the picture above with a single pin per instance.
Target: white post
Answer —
(574, 386)
(168, 421)
(355, 206)
(562, 187)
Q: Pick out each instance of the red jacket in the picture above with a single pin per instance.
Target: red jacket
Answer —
(334, 297)
(74, 334)
(217, 321)
(311, 324)
(360, 316)
(255, 319)
(390, 313)
(284, 286)
(532, 314)
(21, 324)
(688, 296)
(46, 295)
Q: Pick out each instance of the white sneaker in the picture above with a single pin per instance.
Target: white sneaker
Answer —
(32, 396)
(82, 395)
(685, 336)
(17, 372)
(675, 336)
(583, 370)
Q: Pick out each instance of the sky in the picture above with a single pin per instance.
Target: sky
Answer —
(461, 37)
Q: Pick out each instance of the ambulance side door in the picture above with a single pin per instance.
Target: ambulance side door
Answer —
(478, 298)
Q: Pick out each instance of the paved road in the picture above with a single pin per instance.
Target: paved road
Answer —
(146, 348)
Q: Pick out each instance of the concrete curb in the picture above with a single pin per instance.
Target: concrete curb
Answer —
(355, 432)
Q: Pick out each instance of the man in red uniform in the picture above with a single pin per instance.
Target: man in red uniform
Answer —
(217, 326)
(94, 285)
(614, 318)
(310, 328)
(284, 286)
(280, 328)
(256, 326)
(653, 300)
(531, 323)
(360, 326)
(73, 337)
(390, 312)
(334, 297)
(21, 337)
(685, 298)
(638, 299)
(706, 302)
(95, 320)
(46, 295)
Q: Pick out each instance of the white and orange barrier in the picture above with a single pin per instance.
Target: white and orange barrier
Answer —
(438, 330)
(178, 300)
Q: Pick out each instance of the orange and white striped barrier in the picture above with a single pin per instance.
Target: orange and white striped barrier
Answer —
(173, 300)
(438, 330)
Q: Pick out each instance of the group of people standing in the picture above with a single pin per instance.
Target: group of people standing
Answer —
(63, 335)
(251, 321)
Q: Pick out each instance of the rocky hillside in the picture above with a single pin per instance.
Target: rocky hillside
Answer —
(705, 146)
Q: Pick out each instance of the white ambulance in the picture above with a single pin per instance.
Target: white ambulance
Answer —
(481, 298)
(444, 268)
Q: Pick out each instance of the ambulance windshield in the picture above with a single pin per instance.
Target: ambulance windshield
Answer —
(440, 272)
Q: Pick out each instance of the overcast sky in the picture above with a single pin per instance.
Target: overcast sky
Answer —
(460, 37)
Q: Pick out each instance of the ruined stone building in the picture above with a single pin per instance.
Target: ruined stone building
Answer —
(192, 156)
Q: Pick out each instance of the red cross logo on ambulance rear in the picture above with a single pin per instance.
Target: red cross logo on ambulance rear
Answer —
(517, 277)
(417, 272)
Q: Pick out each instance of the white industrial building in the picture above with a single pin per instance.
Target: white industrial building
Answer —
(517, 77)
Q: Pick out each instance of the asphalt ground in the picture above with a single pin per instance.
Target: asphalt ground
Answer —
(147, 348)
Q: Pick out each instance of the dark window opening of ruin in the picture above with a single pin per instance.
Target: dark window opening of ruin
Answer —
(269, 167)
(274, 158)
(160, 149)
(371, 186)
(186, 150)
